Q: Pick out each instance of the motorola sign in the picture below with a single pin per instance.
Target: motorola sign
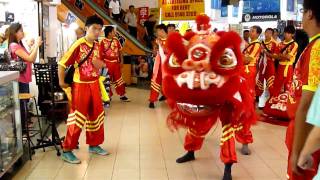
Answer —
(254, 17)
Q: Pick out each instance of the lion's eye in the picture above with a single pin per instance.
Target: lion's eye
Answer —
(228, 60)
(173, 62)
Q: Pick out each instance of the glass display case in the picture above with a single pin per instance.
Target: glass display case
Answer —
(11, 145)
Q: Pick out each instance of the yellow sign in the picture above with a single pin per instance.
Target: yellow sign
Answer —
(155, 12)
(175, 10)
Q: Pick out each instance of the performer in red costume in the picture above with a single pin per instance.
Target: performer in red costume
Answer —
(156, 81)
(202, 81)
(110, 49)
(306, 79)
(251, 57)
(278, 104)
(85, 92)
(286, 56)
(266, 64)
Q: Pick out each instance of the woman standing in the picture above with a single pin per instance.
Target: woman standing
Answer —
(19, 53)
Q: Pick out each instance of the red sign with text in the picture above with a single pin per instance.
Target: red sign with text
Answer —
(143, 14)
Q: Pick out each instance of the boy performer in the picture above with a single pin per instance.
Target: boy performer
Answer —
(156, 80)
(251, 57)
(286, 56)
(266, 66)
(85, 92)
(110, 48)
(306, 76)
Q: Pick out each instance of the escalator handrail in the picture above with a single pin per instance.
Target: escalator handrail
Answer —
(119, 28)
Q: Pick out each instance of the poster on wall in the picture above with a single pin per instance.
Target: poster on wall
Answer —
(215, 4)
(261, 10)
(9, 17)
(143, 14)
(175, 10)
(290, 5)
(224, 11)
(70, 18)
(155, 12)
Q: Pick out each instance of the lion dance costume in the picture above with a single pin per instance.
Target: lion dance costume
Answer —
(202, 81)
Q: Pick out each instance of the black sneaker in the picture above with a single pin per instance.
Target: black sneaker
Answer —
(124, 99)
(189, 156)
(162, 98)
(151, 105)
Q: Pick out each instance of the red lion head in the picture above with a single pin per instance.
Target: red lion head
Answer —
(202, 74)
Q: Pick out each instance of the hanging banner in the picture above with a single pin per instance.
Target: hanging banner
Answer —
(143, 14)
(175, 10)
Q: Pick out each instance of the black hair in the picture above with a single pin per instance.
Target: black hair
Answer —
(290, 29)
(301, 37)
(314, 6)
(108, 30)
(270, 29)
(131, 6)
(275, 30)
(12, 30)
(171, 25)
(93, 20)
(258, 29)
(246, 31)
(163, 27)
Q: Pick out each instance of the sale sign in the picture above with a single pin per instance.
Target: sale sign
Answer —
(175, 10)
(143, 14)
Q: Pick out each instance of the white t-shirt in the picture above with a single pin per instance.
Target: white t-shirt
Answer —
(131, 19)
(115, 6)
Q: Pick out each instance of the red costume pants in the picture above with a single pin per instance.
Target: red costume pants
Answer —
(114, 71)
(306, 174)
(267, 73)
(244, 135)
(86, 111)
(250, 76)
(196, 134)
(283, 78)
(156, 80)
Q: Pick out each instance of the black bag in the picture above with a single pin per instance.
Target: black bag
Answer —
(8, 64)
(69, 72)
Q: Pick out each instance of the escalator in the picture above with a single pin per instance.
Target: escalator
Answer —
(85, 8)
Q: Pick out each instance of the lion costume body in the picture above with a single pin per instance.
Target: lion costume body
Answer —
(202, 82)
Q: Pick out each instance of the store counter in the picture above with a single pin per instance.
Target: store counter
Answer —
(11, 148)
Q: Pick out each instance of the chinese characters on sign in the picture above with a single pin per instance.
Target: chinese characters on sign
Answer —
(181, 9)
(143, 14)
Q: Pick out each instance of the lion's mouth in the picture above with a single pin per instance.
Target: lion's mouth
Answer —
(200, 80)
(195, 110)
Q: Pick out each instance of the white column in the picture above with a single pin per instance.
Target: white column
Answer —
(52, 35)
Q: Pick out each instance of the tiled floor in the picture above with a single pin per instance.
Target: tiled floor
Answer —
(143, 148)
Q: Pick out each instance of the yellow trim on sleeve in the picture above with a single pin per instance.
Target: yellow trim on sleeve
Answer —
(309, 88)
